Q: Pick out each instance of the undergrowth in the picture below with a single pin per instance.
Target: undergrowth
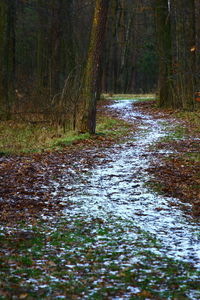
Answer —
(193, 118)
(139, 97)
(21, 137)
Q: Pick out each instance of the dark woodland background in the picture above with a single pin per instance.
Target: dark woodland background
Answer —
(151, 46)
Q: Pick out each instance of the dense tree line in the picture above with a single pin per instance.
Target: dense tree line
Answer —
(130, 58)
(46, 50)
(42, 52)
(177, 24)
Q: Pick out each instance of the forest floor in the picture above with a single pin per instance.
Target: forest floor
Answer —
(111, 216)
(177, 174)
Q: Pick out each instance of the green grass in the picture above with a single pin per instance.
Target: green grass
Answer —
(21, 137)
(112, 127)
(174, 133)
(18, 137)
(105, 124)
(193, 156)
(139, 97)
(192, 117)
(157, 187)
(128, 96)
(79, 258)
(69, 138)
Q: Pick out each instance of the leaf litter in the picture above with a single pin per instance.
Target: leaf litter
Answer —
(81, 223)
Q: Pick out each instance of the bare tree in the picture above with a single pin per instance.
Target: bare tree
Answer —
(86, 117)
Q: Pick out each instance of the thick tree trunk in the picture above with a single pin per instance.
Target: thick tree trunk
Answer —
(184, 44)
(197, 50)
(55, 47)
(86, 117)
(163, 29)
(190, 70)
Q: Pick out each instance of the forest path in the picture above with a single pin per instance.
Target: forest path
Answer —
(118, 188)
(116, 239)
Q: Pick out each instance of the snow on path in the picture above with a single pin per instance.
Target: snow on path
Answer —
(116, 187)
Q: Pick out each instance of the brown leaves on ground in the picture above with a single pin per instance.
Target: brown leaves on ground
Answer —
(27, 182)
(181, 179)
(178, 174)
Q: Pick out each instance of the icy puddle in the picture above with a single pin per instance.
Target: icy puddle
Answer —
(116, 188)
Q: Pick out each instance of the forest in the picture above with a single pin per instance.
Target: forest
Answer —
(99, 149)
(149, 46)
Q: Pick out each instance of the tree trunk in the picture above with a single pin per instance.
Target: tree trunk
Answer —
(42, 47)
(184, 48)
(86, 117)
(163, 29)
(197, 50)
(7, 60)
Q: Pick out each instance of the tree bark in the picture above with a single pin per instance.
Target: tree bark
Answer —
(86, 117)
(184, 44)
(197, 50)
(163, 29)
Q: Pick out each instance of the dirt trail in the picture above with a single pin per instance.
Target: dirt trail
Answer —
(112, 237)
(118, 187)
